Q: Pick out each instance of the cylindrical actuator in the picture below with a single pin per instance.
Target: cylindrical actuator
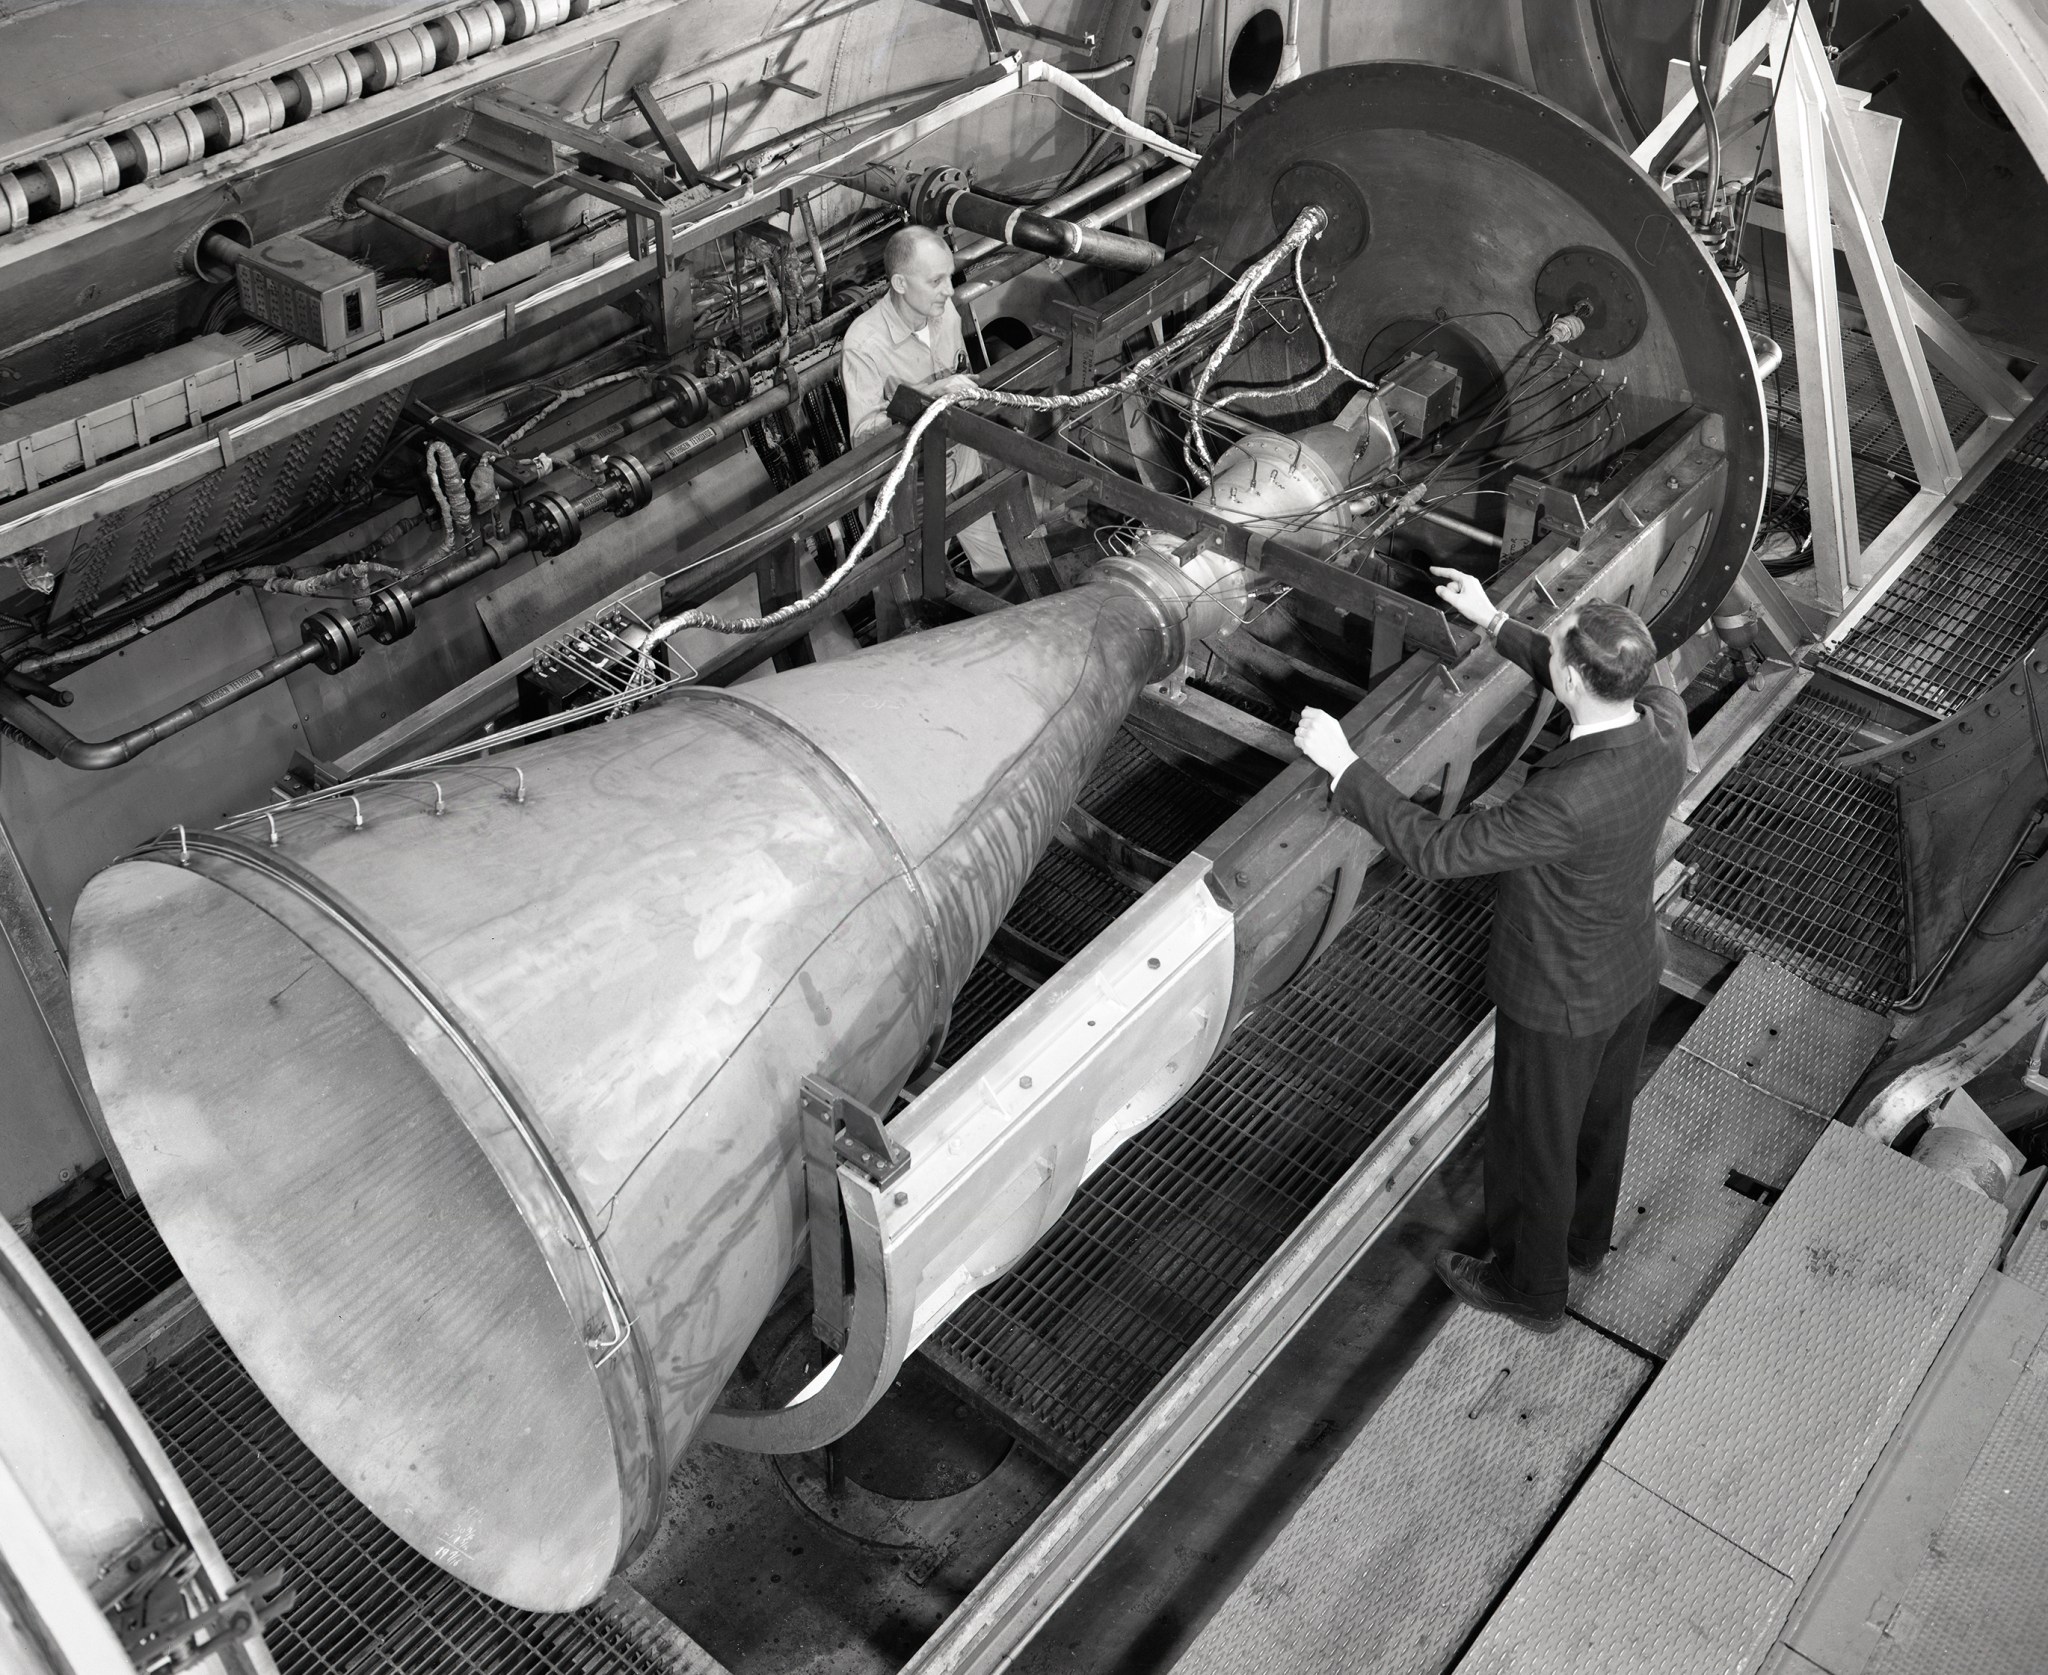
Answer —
(470, 1105)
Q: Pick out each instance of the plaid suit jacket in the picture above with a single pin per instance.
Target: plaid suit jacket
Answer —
(1575, 939)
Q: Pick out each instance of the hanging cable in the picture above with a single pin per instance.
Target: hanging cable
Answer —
(1308, 225)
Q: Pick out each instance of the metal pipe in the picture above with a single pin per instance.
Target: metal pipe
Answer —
(973, 249)
(50, 736)
(1027, 229)
(404, 223)
(1459, 526)
(337, 637)
(1006, 268)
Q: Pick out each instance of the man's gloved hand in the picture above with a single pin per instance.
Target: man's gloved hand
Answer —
(953, 384)
(1320, 738)
(1464, 594)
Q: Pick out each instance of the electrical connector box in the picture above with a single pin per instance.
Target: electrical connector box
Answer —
(306, 290)
(1421, 396)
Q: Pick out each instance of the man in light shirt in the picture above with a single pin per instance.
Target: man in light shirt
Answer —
(912, 336)
(1576, 958)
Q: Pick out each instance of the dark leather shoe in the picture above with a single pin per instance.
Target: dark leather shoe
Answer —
(1587, 1265)
(1475, 1280)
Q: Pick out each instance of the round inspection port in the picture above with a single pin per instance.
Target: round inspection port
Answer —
(208, 265)
(1255, 54)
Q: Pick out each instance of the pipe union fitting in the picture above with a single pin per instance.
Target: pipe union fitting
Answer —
(13, 203)
(396, 58)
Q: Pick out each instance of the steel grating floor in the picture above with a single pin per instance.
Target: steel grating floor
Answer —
(1877, 446)
(1798, 859)
(103, 1253)
(367, 1602)
(1165, 1234)
(1969, 604)
(1151, 803)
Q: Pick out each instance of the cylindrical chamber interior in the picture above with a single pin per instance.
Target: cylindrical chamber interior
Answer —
(347, 1233)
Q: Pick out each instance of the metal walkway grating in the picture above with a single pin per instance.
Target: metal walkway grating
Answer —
(1067, 901)
(1969, 604)
(1882, 465)
(1169, 1230)
(1798, 859)
(367, 1603)
(1152, 803)
(102, 1252)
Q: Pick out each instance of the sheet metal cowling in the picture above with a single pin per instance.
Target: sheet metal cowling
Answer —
(475, 1124)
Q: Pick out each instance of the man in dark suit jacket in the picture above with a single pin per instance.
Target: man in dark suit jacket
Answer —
(1576, 960)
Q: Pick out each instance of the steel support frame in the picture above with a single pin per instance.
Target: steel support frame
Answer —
(679, 226)
(1830, 203)
(1000, 1143)
(1029, 1582)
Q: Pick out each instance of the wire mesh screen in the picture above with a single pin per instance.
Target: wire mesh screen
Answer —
(366, 1602)
(1799, 859)
(1172, 1227)
(103, 1253)
(1970, 603)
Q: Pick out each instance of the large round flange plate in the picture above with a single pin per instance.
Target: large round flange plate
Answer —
(1473, 186)
(1338, 196)
(1600, 290)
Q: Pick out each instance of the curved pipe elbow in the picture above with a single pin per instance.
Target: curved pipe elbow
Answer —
(58, 742)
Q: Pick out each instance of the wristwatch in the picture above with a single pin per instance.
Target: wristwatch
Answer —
(1495, 623)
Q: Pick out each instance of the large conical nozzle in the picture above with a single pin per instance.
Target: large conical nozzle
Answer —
(474, 1121)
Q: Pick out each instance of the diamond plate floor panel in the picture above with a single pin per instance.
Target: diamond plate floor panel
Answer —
(1681, 1225)
(1399, 1550)
(1769, 1415)
(1627, 1582)
(1734, 1109)
(1980, 1604)
(1771, 1028)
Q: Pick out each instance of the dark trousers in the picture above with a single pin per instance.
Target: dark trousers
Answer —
(1556, 1136)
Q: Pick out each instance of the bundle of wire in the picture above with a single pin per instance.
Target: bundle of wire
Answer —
(1232, 305)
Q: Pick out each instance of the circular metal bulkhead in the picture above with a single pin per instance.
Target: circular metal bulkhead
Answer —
(1469, 189)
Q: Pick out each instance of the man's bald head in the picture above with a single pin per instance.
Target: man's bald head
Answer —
(908, 244)
(920, 268)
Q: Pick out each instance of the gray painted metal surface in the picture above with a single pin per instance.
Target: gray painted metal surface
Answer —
(1772, 1411)
(1728, 1481)
(1397, 1553)
(1772, 1029)
(1979, 1604)
(1681, 1226)
(1629, 1582)
(2027, 1261)
(1852, 1600)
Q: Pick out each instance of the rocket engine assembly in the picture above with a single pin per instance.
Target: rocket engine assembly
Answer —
(469, 1102)
(548, 1020)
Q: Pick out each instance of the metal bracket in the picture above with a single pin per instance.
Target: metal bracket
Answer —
(859, 1135)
